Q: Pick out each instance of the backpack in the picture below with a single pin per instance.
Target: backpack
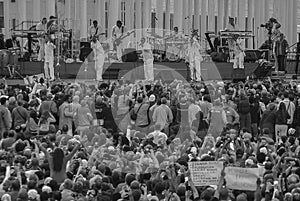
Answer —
(133, 114)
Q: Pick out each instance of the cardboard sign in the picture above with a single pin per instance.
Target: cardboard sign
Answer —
(241, 178)
(205, 173)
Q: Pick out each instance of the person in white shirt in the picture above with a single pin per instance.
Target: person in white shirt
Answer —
(148, 60)
(49, 59)
(193, 110)
(117, 31)
(239, 52)
(41, 26)
(99, 55)
(95, 31)
(195, 59)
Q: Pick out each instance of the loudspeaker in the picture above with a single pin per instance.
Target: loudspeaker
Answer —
(251, 55)
(130, 55)
(238, 75)
(85, 45)
(262, 70)
(219, 56)
(86, 52)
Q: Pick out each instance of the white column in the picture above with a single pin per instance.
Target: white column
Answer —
(168, 11)
(226, 13)
(203, 18)
(50, 7)
(250, 21)
(197, 15)
(257, 23)
(267, 10)
(185, 18)
(113, 16)
(178, 10)
(83, 20)
(129, 7)
(220, 16)
(100, 13)
(211, 15)
(234, 6)
(159, 15)
(138, 19)
(69, 13)
(22, 13)
(241, 14)
(147, 16)
(294, 27)
(37, 10)
(190, 14)
(7, 23)
(283, 19)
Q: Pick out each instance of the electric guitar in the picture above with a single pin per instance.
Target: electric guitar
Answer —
(96, 35)
(117, 41)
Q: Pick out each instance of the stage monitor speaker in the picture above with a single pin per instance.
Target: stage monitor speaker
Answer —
(86, 52)
(130, 55)
(85, 45)
(238, 75)
(263, 69)
(251, 55)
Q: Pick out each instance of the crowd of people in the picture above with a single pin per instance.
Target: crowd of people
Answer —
(133, 141)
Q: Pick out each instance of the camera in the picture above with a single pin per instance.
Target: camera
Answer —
(267, 25)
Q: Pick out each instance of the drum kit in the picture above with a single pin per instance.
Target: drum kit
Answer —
(169, 48)
(9, 61)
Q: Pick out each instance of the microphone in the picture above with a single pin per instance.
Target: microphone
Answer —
(187, 17)
(156, 18)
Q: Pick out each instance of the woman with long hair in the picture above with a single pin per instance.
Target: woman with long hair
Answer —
(281, 126)
(58, 161)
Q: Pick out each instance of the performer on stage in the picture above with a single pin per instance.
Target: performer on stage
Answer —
(239, 52)
(117, 31)
(99, 56)
(281, 46)
(41, 26)
(195, 59)
(95, 30)
(148, 60)
(49, 59)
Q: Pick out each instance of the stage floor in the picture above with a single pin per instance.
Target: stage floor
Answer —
(134, 70)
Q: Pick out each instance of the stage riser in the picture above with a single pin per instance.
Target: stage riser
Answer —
(210, 70)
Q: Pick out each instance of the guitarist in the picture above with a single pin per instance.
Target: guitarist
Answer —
(95, 30)
(117, 32)
(41, 26)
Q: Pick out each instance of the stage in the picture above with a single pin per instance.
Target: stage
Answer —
(166, 71)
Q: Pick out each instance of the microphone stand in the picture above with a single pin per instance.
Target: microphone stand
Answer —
(58, 44)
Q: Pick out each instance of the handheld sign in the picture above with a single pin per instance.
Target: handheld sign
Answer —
(241, 178)
(205, 173)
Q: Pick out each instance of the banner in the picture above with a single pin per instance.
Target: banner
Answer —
(28, 80)
(205, 173)
(241, 178)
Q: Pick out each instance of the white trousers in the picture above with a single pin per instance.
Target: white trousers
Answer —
(148, 69)
(42, 49)
(119, 51)
(239, 60)
(49, 69)
(99, 62)
(195, 69)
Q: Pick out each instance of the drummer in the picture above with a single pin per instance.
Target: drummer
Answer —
(176, 35)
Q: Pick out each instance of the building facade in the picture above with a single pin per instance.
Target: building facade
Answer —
(204, 15)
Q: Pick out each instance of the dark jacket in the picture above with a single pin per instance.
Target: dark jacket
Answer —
(244, 105)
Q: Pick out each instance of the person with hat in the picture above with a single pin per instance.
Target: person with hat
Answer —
(5, 115)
